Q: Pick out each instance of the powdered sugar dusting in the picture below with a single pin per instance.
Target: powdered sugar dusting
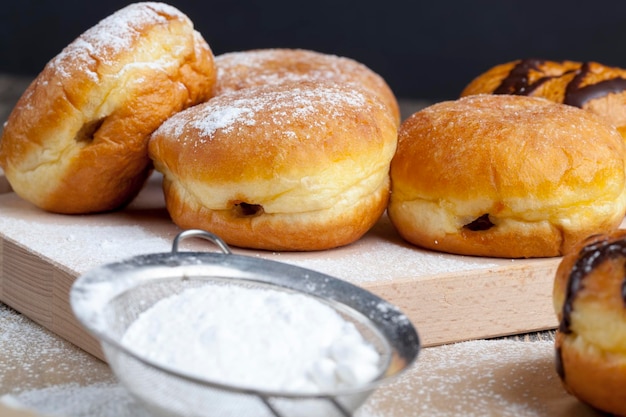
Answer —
(38, 357)
(74, 400)
(479, 378)
(277, 66)
(83, 246)
(113, 400)
(357, 267)
(206, 120)
(221, 119)
(244, 69)
(261, 66)
(80, 243)
(381, 256)
(112, 35)
(282, 107)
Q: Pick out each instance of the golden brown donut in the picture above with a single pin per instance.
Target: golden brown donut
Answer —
(76, 141)
(588, 85)
(506, 176)
(242, 69)
(590, 302)
(299, 166)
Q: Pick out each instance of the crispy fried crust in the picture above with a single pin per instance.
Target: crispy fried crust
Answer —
(301, 166)
(76, 142)
(506, 176)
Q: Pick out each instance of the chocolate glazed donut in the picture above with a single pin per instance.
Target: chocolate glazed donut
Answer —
(517, 82)
(591, 256)
(506, 176)
(590, 302)
(588, 85)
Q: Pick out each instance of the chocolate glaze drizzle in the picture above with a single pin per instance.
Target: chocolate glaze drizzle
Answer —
(517, 83)
(590, 257)
(578, 96)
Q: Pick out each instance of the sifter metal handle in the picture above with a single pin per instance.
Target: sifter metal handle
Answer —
(203, 234)
(333, 400)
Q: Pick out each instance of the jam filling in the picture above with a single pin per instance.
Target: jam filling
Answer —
(481, 223)
(248, 210)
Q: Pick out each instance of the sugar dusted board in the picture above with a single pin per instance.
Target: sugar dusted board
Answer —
(449, 298)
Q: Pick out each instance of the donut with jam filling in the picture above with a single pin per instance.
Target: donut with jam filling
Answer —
(506, 176)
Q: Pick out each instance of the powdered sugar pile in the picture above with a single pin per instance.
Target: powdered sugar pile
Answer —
(256, 338)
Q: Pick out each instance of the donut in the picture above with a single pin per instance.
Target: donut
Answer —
(242, 69)
(590, 304)
(588, 85)
(76, 141)
(506, 176)
(292, 167)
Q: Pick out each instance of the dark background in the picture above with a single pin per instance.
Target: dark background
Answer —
(424, 49)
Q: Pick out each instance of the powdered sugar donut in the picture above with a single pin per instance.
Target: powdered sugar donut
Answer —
(237, 70)
(76, 141)
(298, 166)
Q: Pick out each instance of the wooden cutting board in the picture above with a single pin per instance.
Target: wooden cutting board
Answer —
(449, 298)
